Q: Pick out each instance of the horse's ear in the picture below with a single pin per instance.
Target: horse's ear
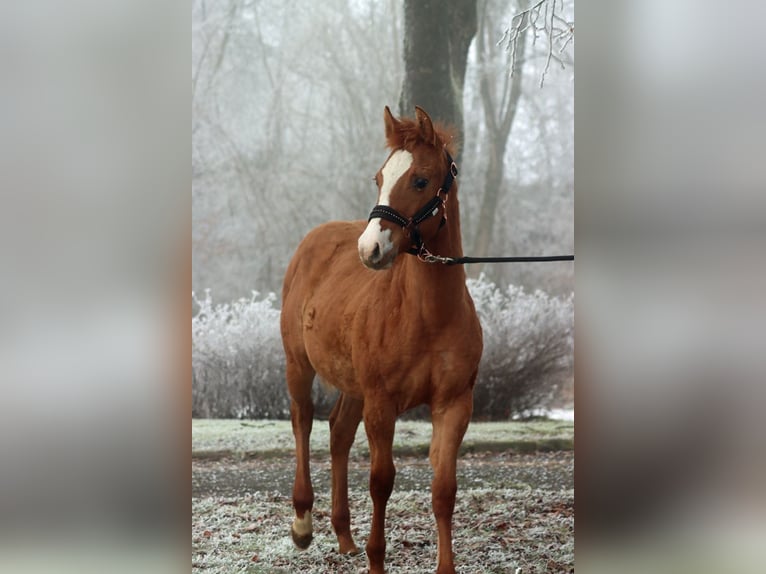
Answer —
(391, 122)
(426, 125)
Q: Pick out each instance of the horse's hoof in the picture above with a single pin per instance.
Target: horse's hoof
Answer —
(302, 531)
(302, 541)
(353, 551)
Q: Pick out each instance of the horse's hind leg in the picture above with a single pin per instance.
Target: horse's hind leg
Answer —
(299, 379)
(344, 420)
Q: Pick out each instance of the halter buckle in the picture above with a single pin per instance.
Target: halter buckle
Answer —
(427, 257)
(453, 169)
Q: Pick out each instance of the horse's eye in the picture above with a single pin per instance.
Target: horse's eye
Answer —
(420, 183)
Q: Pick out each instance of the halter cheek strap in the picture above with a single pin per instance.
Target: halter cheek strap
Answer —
(430, 209)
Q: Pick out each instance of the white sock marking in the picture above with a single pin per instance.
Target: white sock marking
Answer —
(303, 527)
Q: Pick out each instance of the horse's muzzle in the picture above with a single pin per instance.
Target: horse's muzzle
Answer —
(376, 250)
(376, 258)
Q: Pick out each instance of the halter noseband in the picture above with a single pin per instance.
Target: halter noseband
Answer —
(430, 209)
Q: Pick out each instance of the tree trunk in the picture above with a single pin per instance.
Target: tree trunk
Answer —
(437, 35)
(498, 121)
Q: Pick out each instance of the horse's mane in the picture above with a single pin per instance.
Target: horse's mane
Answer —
(408, 135)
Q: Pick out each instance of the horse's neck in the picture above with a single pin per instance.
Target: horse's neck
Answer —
(447, 280)
(448, 241)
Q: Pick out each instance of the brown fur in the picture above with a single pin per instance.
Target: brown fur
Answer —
(389, 340)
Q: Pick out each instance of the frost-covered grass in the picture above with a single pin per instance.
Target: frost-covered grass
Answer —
(519, 515)
(238, 361)
(218, 437)
(495, 531)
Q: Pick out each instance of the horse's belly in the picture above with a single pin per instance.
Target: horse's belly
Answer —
(338, 375)
(332, 361)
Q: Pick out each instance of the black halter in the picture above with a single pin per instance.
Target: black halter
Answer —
(430, 209)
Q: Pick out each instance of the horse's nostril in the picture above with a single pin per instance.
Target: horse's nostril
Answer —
(376, 252)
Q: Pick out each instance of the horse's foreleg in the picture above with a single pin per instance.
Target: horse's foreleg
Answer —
(379, 422)
(302, 414)
(449, 426)
(344, 420)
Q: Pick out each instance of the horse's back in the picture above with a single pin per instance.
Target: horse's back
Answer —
(326, 250)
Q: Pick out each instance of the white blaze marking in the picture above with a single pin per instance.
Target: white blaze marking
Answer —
(396, 166)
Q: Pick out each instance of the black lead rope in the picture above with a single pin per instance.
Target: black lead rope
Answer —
(428, 257)
(467, 260)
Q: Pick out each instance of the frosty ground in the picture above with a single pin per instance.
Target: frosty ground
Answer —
(515, 506)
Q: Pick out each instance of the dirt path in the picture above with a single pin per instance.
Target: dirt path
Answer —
(547, 471)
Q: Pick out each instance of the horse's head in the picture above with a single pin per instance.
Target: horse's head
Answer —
(412, 187)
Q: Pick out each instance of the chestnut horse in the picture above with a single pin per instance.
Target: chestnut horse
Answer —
(390, 333)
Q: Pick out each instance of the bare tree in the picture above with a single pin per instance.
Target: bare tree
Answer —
(282, 106)
(545, 17)
(286, 101)
(499, 112)
(437, 35)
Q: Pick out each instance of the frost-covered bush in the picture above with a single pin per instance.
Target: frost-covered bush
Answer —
(238, 364)
(528, 348)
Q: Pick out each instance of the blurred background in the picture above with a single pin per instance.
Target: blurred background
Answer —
(95, 295)
(670, 206)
